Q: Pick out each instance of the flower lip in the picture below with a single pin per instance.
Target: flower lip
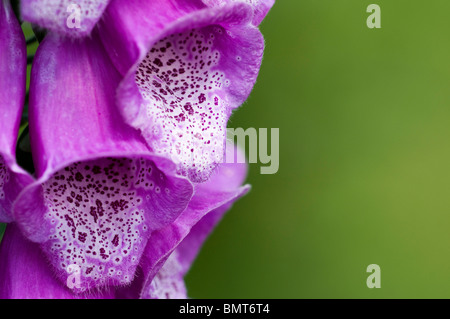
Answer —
(4, 178)
(183, 101)
(230, 16)
(191, 229)
(80, 214)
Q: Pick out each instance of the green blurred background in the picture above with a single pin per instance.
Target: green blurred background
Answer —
(364, 178)
(364, 118)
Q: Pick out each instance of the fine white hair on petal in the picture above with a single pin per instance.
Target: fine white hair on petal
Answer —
(97, 218)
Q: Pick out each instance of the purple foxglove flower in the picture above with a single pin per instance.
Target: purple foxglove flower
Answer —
(74, 18)
(185, 68)
(25, 273)
(220, 191)
(101, 196)
(12, 94)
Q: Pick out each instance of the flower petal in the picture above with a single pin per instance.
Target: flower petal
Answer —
(261, 7)
(75, 18)
(100, 192)
(227, 178)
(12, 95)
(25, 273)
(185, 70)
(200, 212)
(172, 250)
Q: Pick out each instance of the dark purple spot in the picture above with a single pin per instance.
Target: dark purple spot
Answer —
(188, 108)
(79, 177)
(158, 62)
(115, 240)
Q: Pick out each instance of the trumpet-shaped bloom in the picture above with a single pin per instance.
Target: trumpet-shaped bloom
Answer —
(74, 18)
(186, 65)
(12, 95)
(100, 192)
(185, 68)
(25, 272)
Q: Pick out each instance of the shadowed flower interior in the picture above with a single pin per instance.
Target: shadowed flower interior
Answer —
(4, 177)
(99, 216)
(182, 82)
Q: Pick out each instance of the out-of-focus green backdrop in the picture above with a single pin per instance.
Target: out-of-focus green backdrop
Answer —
(364, 178)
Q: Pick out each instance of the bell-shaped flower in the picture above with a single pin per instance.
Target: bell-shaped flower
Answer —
(25, 272)
(186, 65)
(101, 196)
(99, 192)
(77, 18)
